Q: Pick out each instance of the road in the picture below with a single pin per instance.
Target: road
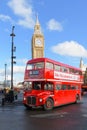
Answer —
(69, 117)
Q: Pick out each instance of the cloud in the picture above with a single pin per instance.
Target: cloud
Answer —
(2, 72)
(54, 25)
(19, 69)
(24, 10)
(18, 73)
(6, 18)
(22, 61)
(70, 48)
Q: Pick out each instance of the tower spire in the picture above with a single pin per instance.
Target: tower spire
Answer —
(37, 41)
(81, 63)
(37, 20)
(37, 27)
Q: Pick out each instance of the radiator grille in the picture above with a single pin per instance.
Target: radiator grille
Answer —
(31, 100)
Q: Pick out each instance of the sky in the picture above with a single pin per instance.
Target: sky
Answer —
(63, 23)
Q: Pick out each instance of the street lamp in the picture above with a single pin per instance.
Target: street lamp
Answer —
(12, 55)
(5, 75)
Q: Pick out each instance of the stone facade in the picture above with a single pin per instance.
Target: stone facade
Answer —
(37, 41)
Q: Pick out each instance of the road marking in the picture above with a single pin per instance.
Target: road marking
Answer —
(54, 115)
(84, 115)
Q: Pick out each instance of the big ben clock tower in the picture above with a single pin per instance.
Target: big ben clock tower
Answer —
(37, 41)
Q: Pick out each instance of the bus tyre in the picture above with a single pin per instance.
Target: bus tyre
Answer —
(48, 104)
(77, 99)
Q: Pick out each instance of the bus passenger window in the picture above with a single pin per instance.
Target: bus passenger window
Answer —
(71, 70)
(64, 69)
(49, 65)
(37, 86)
(68, 87)
(30, 66)
(77, 87)
(64, 87)
(27, 85)
(58, 87)
(39, 65)
(48, 86)
(73, 87)
(57, 67)
(45, 87)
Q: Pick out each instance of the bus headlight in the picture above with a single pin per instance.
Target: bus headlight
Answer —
(24, 98)
(40, 100)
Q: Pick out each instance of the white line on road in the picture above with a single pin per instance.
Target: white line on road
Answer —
(50, 115)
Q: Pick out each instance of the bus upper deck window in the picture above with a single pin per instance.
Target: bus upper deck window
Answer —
(39, 65)
(64, 69)
(57, 67)
(49, 65)
(30, 66)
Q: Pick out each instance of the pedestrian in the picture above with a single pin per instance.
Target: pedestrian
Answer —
(11, 95)
(3, 96)
(15, 94)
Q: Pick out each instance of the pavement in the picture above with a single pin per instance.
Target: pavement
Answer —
(15, 102)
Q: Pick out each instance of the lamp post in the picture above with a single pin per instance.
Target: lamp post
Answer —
(5, 75)
(12, 55)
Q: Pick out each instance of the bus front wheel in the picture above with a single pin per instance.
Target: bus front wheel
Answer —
(48, 104)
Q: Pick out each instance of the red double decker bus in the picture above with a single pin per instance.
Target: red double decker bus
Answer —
(50, 83)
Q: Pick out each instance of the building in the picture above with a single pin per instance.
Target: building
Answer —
(37, 43)
(82, 66)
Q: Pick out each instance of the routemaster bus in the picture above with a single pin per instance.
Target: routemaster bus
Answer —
(50, 84)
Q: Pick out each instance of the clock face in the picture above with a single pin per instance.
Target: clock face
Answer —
(38, 42)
